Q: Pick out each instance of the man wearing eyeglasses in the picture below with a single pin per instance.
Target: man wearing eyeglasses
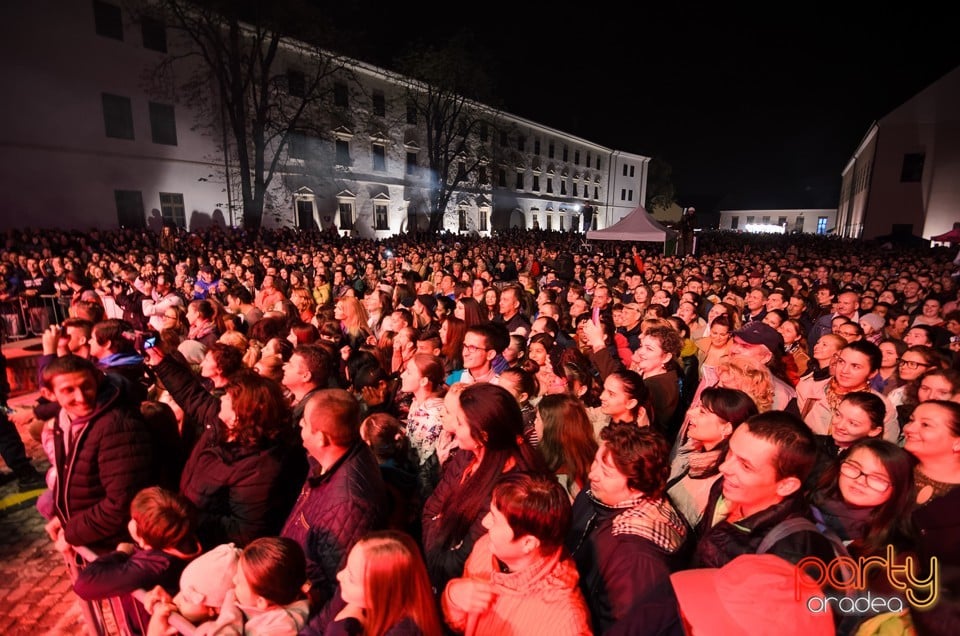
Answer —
(481, 344)
(855, 365)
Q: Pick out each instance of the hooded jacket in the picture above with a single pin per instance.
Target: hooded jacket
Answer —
(542, 599)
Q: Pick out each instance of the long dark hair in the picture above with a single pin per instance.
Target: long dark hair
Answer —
(496, 422)
(568, 442)
(890, 521)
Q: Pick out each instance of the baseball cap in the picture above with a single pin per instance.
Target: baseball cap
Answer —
(752, 594)
(760, 333)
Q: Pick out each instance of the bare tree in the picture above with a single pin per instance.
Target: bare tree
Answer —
(457, 128)
(661, 192)
(250, 81)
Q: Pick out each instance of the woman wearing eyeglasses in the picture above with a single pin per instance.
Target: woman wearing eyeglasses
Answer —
(914, 362)
(866, 495)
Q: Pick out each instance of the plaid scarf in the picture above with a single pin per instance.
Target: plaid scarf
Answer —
(652, 519)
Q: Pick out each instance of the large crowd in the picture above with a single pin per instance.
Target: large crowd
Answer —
(291, 432)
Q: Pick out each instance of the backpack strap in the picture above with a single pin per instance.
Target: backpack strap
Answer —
(785, 529)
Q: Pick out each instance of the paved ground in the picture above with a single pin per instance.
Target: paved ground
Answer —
(35, 591)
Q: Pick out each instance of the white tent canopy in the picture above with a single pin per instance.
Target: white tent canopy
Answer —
(638, 225)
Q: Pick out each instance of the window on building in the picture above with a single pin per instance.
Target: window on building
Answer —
(482, 221)
(576, 157)
(550, 150)
(566, 152)
(172, 209)
(502, 178)
(536, 183)
(625, 168)
(798, 226)
(379, 158)
(596, 193)
(766, 220)
(118, 116)
(561, 222)
(521, 142)
(412, 113)
(129, 208)
(631, 170)
(297, 146)
(912, 170)
(629, 195)
(411, 162)
(484, 131)
(535, 220)
(750, 219)
(549, 185)
(296, 83)
(574, 193)
(343, 152)
(588, 159)
(340, 98)
(549, 221)
(563, 186)
(536, 146)
(462, 220)
(598, 162)
(163, 124)
(782, 221)
(519, 181)
(734, 222)
(346, 215)
(482, 175)
(108, 20)
(623, 194)
(380, 216)
(379, 105)
(821, 225)
(154, 34)
(461, 171)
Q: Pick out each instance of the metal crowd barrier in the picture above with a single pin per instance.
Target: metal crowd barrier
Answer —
(28, 316)
(12, 320)
(107, 617)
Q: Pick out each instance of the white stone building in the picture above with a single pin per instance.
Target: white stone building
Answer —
(904, 177)
(85, 143)
(809, 221)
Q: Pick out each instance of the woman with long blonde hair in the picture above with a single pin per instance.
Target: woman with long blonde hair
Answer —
(386, 590)
(349, 311)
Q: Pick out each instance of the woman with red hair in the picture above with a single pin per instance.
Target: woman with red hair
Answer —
(385, 589)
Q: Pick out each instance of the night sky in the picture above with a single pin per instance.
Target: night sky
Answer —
(758, 108)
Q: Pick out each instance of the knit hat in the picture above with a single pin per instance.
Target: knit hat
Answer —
(874, 320)
(760, 333)
(752, 594)
(207, 579)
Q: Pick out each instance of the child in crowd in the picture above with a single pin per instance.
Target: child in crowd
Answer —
(161, 524)
(257, 591)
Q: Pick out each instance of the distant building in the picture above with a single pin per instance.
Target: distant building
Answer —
(904, 177)
(85, 144)
(779, 221)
